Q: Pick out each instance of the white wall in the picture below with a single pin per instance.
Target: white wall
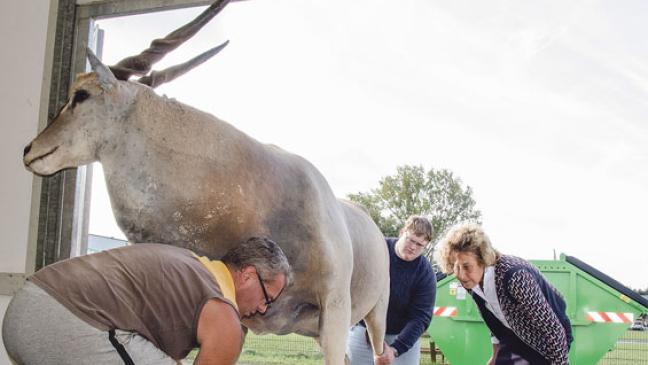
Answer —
(24, 28)
(4, 302)
(25, 71)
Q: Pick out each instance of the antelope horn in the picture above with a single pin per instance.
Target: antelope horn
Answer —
(157, 78)
(141, 64)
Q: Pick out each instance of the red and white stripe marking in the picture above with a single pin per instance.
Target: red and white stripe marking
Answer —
(445, 311)
(610, 317)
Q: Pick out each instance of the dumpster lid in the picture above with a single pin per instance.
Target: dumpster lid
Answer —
(607, 280)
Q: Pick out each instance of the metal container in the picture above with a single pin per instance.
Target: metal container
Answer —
(600, 310)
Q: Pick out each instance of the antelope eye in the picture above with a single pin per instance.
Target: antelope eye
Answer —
(79, 97)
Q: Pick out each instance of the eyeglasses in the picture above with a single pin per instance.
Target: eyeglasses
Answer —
(414, 242)
(268, 301)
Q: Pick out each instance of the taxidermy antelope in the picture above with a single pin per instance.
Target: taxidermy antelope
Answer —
(179, 176)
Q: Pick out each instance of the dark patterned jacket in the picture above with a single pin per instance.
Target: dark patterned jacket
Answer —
(533, 308)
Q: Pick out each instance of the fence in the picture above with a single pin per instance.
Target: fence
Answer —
(272, 349)
(631, 349)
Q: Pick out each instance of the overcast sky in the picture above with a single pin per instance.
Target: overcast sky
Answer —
(541, 107)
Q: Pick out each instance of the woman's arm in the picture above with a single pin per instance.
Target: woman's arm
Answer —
(538, 317)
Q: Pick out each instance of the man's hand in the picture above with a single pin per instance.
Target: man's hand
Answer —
(387, 356)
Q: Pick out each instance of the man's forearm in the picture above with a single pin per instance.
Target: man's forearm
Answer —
(409, 335)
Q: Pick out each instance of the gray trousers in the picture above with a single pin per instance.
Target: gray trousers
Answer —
(360, 352)
(38, 330)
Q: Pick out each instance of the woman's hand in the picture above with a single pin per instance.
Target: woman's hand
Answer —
(492, 359)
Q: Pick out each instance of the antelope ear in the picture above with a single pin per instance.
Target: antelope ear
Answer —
(105, 76)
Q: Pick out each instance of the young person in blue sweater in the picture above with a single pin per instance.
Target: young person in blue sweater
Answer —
(524, 312)
(411, 300)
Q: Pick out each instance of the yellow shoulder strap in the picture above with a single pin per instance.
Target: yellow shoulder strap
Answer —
(222, 276)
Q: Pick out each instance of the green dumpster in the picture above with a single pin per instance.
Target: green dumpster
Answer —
(600, 310)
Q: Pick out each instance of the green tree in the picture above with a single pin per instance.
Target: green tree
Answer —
(438, 195)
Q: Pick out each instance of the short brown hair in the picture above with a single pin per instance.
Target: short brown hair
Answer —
(420, 226)
(467, 237)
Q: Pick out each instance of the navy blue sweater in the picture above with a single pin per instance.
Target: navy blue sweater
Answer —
(411, 298)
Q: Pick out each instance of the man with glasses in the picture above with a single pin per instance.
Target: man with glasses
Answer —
(411, 300)
(144, 304)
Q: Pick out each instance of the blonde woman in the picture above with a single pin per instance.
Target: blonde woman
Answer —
(524, 312)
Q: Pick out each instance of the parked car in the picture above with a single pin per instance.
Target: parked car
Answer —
(637, 326)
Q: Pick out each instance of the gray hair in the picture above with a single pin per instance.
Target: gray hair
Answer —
(262, 253)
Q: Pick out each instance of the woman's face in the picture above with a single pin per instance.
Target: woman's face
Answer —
(468, 270)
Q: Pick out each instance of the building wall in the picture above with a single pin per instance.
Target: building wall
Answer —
(24, 70)
(4, 301)
(28, 29)
(22, 66)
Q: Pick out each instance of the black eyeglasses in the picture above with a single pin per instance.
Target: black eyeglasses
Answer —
(268, 301)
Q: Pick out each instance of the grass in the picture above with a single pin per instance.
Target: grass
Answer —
(632, 349)
(272, 349)
(276, 350)
(294, 349)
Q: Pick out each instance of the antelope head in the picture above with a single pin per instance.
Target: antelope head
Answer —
(100, 100)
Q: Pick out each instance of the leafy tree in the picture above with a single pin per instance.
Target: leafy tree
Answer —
(436, 194)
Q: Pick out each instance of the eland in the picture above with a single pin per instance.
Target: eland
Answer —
(179, 176)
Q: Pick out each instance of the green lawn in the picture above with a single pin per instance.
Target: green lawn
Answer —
(294, 349)
(632, 349)
(272, 349)
(285, 350)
